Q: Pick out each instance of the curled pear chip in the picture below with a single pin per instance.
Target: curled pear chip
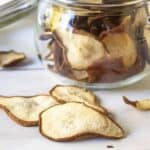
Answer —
(71, 121)
(121, 45)
(76, 94)
(25, 110)
(143, 105)
(10, 58)
(83, 50)
(139, 18)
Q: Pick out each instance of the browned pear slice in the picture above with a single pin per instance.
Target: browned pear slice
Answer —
(76, 94)
(10, 58)
(25, 110)
(121, 45)
(143, 105)
(70, 121)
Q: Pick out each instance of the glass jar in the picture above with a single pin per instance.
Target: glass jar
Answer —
(92, 43)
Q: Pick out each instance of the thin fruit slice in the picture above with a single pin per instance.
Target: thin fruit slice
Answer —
(76, 94)
(121, 45)
(81, 75)
(70, 121)
(143, 105)
(73, 93)
(10, 58)
(25, 110)
(83, 50)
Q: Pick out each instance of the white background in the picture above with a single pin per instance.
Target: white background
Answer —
(15, 137)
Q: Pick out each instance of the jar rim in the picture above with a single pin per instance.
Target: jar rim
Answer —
(80, 3)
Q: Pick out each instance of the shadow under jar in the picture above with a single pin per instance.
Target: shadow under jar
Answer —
(92, 43)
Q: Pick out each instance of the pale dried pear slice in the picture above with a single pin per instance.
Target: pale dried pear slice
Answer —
(76, 94)
(140, 18)
(143, 105)
(10, 58)
(80, 75)
(25, 110)
(82, 50)
(121, 45)
(70, 121)
(73, 93)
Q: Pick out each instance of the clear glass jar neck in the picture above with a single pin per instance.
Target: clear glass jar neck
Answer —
(90, 3)
(111, 9)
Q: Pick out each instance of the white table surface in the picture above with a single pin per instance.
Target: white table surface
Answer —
(31, 82)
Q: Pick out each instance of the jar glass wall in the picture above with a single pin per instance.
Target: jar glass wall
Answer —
(95, 45)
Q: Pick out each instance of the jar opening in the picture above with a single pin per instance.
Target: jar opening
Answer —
(100, 3)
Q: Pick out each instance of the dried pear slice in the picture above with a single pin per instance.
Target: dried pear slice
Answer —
(121, 45)
(10, 58)
(83, 50)
(80, 75)
(25, 110)
(76, 94)
(70, 121)
(143, 105)
(73, 93)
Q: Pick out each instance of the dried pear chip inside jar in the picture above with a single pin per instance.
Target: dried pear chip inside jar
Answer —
(143, 105)
(76, 94)
(71, 121)
(121, 45)
(25, 110)
(10, 58)
(82, 49)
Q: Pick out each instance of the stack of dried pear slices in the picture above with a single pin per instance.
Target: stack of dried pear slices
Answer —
(67, 114)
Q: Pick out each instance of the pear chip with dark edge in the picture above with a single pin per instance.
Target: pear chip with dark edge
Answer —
(143, 105)
(74, 120)
(70, 93)
(25, 110)
(11, 58)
